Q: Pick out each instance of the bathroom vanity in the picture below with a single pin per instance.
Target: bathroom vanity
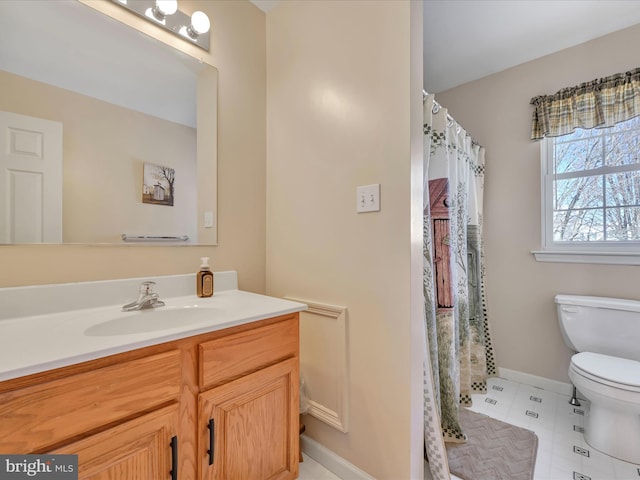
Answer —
(214, 399)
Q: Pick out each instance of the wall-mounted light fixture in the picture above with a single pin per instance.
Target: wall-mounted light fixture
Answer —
(165, 14)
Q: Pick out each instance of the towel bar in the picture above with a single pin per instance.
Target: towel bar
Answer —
(152, 238)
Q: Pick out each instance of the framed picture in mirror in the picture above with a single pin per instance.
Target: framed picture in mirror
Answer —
(158, 185)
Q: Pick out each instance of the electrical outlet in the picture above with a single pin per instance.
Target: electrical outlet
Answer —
(368, 198)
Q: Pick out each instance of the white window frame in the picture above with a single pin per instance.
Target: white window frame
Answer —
(583, 252)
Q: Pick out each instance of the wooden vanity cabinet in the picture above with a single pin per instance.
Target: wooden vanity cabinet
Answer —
(248, 411)
(147, 414)
(249, 425)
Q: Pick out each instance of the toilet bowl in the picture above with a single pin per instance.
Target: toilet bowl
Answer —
(612, 385)
(606, 333)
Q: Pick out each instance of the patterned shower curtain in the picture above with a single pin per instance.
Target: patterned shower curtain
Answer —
(459, 352)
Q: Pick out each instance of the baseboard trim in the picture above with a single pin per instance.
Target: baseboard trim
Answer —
(331, 461)
(535, 381)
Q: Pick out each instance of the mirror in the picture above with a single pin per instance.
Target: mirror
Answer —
(137, 158)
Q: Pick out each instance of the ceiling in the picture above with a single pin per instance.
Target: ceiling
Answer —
(469, 39)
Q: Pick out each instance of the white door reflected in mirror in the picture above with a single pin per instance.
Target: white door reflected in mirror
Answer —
(30, 179)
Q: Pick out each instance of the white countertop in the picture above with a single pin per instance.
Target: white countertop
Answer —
(32, 344)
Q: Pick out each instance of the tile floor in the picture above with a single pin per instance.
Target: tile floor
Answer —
(312, 470)
(562, 452)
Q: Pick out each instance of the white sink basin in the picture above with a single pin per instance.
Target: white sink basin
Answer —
(153, 320)
(73, 323)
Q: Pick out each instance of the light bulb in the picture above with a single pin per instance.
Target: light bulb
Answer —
(166, 7)
(200, 23)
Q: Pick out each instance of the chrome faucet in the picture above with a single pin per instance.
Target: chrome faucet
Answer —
(147, 298)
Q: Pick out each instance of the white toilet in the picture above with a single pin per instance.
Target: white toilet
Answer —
(606, 333)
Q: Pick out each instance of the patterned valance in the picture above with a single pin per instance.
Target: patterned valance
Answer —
(599, 103)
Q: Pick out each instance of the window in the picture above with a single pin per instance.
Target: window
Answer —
(591, 190)
(590, 176)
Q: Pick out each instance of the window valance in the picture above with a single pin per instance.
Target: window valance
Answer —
(599, 103)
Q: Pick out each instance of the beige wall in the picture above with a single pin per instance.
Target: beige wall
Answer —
(238, 51)
(520, 290)
(338, 90)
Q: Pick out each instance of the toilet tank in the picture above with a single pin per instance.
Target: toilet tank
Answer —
(610, 326)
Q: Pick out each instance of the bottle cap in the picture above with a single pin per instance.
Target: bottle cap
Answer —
(205, 263)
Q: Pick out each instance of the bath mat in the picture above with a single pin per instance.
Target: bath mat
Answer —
(494, 450)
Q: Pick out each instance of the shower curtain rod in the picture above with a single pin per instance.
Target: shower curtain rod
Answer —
(450, 118)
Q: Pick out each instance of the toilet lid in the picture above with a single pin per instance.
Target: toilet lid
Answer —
(612, 369)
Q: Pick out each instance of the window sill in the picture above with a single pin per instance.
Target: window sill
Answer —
(605, 258)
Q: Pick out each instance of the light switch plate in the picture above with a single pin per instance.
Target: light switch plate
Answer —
(208, 219)
(368, 198)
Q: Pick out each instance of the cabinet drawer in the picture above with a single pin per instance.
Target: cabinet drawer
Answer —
(240, 353)
(48, 413)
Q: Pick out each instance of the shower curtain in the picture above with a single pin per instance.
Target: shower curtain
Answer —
(459, 356)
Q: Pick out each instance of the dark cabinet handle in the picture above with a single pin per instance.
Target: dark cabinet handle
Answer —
(174, 458)
(212, 439)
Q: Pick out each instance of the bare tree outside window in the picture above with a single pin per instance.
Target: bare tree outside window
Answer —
(596, 184)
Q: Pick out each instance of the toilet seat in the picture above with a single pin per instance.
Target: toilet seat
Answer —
(615, 372)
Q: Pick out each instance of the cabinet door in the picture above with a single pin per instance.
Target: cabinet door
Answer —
(253, 425)
(139, 449)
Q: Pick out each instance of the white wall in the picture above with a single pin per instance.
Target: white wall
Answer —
(339, 92)
(520, 291)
